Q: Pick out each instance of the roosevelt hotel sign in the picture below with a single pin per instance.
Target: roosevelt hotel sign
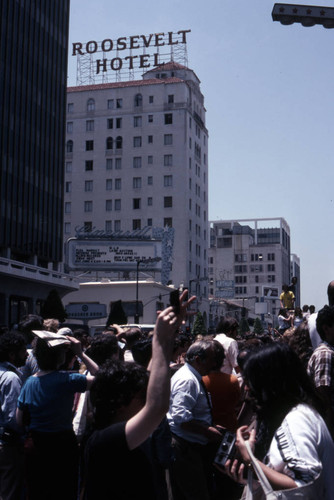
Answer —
(131, 53)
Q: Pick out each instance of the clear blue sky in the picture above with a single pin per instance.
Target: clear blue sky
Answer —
(270, 111)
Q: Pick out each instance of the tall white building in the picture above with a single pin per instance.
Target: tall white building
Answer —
(137, 157)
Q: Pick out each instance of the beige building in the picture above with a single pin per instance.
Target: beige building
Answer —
(249, 261)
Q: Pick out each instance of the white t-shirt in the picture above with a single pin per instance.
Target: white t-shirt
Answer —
(231, 352)
(312, 328)
(302, 448)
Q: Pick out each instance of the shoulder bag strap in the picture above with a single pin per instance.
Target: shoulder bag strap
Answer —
(267, 489)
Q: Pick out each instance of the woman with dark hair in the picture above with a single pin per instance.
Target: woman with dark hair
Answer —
(292, 442)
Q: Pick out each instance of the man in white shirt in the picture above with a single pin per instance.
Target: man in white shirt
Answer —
(194, 438)
(227, 330)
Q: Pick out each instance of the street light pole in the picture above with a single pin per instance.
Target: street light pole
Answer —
(142, 261)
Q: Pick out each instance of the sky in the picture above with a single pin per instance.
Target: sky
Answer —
(268, 92)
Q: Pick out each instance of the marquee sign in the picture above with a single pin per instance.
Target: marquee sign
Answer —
(125, 45)
(113, 255)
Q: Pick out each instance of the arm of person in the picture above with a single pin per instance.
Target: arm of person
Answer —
(277, 480)
(142, 424)
(91, 366)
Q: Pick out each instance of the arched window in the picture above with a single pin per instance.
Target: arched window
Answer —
(90, 105)
(69, 147)
(109, 143)
(119, 142)
(138, 100)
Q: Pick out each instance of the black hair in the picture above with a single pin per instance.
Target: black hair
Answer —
(48, 358)
(103, 347)
(219, 353)
(10, 342)
(300, 342)
(115, 385)
(30, 322)
(226, 325)
(142, 351)
(325, 317)
(277, 381)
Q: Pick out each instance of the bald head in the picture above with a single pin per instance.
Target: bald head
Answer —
(330, 293)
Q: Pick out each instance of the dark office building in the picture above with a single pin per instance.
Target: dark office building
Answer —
(33, 69)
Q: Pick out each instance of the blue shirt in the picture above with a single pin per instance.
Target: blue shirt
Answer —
(188, 401)
(49, 400)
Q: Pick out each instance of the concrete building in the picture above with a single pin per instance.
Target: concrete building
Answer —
(33, 64)
(249, 261)
(137, 156)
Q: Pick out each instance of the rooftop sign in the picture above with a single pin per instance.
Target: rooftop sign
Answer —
(117, 55)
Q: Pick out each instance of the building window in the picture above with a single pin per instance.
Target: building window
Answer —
(136, 203)
(168, 221)
(70, 107)
(117, 225)
(119, 142)
(111, 104)
(89, 145)
(137, 162)
(68, 207)
(109, 143)
(151, 99)
(109, 205)
(117, 205)
(137, 121)
(88, 186)
(109, 164)
(118, 163)
(168, 139)
(168, 201)
(90, 105)
(150, 180)
(69, 127)
(149, 222)
(170, 99)
(150, 118)
(137, 142)
(150, 139)
(149, 201)
(67, 227)
(136, 224)
(168, 118)
(68, 166)
(88, 226)
(271, 256)
(89, 125)
(150, 160)
(118, 122)
(108, 184)
(271, 278)
(168, 180)
(119, 103)
(271, 267)
(108, 226)
(118, 184)
(110, 123)
(138, 100)
(168, 160)
(68, 187)
(88, 206)
(136, 182)
(88, 165)
(69, 146)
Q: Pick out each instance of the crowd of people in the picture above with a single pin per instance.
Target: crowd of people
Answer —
(125, 414)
